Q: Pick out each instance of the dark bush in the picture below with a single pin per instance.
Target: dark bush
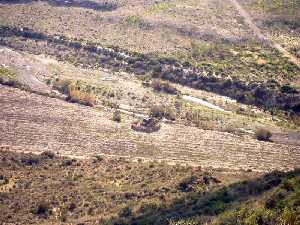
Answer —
(117, 116)
(67, 162)
(30, 160)
(164, 86)
(263, 134)
(147, 125)
(42, 209)
(48, 154)
(125, 212)
(161, 111)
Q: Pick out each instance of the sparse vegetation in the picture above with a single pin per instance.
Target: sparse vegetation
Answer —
(183, 162)
(134, 20)
(162, 111)
(160, 7)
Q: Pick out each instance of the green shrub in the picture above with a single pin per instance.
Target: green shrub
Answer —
(289, 217)
(133, 20)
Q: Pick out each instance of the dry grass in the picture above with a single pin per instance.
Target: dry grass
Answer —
(83, 97)
(60, 190)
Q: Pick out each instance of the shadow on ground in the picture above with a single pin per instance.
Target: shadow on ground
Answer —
(207, 205)
(103, 6)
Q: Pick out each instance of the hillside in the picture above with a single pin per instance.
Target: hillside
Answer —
(47, 189)
(149, 112)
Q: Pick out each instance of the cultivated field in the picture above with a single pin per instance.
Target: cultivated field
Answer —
(35, 123)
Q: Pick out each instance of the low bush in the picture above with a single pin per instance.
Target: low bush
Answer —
(162, 111)
(48, 154)
(31, 160)
(117, 116)
(263, 134)
(61, 85)
(42, 209)
(83, 97)
(97, 158)
(125, 212)
(164, 86)
(147, 125)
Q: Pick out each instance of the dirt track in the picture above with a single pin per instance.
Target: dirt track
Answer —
(30, 122)
(25, 70)
(261, 36)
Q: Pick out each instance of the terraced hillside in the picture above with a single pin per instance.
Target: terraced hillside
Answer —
(36, 123)
(142, 112)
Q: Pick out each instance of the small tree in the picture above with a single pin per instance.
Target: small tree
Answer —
(263, 134)
(117, 116)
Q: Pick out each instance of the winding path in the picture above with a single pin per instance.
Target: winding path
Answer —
(257, 31)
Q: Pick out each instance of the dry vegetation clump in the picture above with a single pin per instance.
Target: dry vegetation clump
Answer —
(164, 86)
(75, 91)
(163, 111)
(195, 117)
(263, 134)
(83, 97)
(147, 125)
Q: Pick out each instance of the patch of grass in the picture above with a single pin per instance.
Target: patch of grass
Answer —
(134, 20)
(161, 7)
(8, 77)
(291, 7)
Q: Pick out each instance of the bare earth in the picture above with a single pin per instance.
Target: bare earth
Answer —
(36, 123)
